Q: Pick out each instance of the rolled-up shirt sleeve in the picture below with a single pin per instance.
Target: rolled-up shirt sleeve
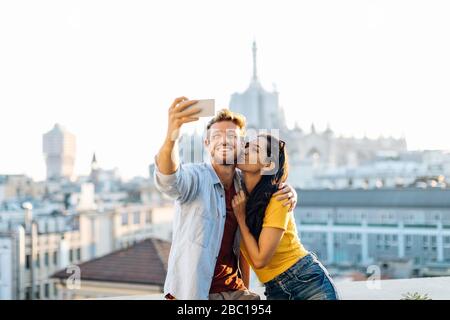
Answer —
(181, 185)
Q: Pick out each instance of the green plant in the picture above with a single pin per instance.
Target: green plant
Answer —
(415, 296)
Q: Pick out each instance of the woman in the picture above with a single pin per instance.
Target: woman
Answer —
(270, 242)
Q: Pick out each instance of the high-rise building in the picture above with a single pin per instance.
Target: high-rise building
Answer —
(364, 227)
(259, 106)
(59, 147)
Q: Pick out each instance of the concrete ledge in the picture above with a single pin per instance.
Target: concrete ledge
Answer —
(437, 288)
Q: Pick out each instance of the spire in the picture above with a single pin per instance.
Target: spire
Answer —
(94, 164)
(313, 128)
(255, 75)
(58, 127)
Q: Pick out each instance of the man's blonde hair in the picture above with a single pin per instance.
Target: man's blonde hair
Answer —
(228, 115)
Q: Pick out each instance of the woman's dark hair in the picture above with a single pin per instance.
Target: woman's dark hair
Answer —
(259, 198)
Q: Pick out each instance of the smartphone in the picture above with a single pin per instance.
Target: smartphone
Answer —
(207, 108)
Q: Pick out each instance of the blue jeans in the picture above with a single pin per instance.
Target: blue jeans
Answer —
(307, 279)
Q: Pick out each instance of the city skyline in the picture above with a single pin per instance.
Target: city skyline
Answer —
(105, 74)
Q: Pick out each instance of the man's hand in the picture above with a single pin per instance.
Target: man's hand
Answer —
(238, 203)
(286, 192)
(167, 158)
(178, 115)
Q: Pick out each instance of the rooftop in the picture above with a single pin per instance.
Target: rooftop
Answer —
(142, 263)
(406, 198)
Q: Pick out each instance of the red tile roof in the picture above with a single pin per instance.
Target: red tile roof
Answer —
(143, 263)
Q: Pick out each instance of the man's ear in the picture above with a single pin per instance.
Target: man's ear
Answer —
(206, 142)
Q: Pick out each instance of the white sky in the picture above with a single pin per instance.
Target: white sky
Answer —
(108, 70)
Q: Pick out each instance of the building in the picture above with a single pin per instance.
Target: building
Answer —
(35, 246)
(358, 228)
(405, 169)
(30, 258)
(259, 106)
(59, 147)
(137, 270)
(15, 187)
(105, 181)
(310, 153)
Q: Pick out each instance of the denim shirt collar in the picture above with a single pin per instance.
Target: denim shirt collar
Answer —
(236, 179)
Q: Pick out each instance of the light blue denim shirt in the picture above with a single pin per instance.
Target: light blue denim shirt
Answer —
(198, 227)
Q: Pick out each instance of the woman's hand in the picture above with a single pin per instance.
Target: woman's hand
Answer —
(238, 203)
(287, 192)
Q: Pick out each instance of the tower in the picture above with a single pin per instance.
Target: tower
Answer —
(59, 147)
(259, 106)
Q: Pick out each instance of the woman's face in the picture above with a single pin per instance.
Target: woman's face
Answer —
(254, 158)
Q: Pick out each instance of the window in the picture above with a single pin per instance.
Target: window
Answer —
(27, 262)
(47, 290)
(55, 289)
(124, 218)
(137, 217)
(70, 255)
(38, 261)
(46, 258)
(79, 254)
(28, 293)
(92, 249)
(148, 217)
(38, 292)
(55, 258)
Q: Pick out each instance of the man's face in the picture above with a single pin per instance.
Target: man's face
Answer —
(224, 142)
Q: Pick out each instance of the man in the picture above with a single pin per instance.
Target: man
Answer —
(205, 260)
